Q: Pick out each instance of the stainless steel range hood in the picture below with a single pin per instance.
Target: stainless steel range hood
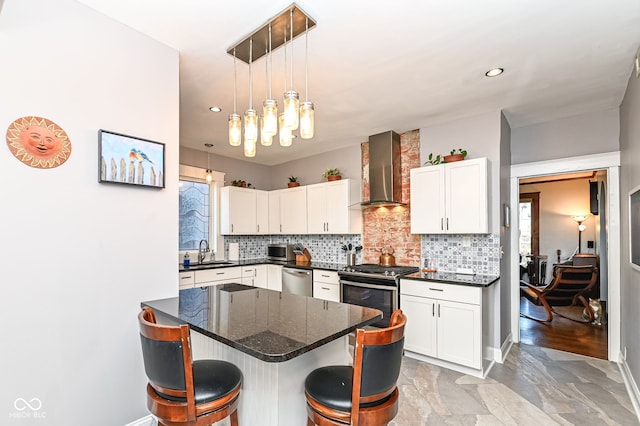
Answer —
(384, 170)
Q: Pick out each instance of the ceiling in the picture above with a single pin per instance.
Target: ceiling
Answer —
(379, 65)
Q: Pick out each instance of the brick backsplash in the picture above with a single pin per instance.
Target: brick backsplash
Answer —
(323, 248)
(479, 252)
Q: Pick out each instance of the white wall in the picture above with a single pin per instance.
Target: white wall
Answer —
(558, 202)
(584, 134)
(79, 256)
(310, 169)
(630, 178)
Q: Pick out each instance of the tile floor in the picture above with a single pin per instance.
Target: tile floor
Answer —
(535, 386)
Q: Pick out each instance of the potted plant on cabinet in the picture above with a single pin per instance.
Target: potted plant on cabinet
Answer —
(332, 174)
(293, 182)
(455, 155)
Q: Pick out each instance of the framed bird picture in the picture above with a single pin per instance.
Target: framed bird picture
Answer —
(130, 160)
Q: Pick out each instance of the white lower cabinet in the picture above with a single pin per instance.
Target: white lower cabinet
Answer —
(207, 277)
(326, 285)
(186, 279)
(274, 277)
(444, 321)
(254, 275)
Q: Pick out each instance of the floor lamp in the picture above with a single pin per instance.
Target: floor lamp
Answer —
(581, 227)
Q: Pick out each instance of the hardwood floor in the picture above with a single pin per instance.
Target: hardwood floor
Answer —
(562, 334)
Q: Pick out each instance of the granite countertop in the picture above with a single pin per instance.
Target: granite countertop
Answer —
(261, 261)
(453, 278)
(266, 324)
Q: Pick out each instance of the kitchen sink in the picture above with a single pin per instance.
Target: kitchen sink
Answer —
(209, 264)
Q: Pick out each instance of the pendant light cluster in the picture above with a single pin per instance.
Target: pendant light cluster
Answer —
(295, 115)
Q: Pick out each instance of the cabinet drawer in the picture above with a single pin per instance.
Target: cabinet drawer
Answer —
(330, 277)
(326, 291)
(218, 274)
(186, 279)
(441, 291)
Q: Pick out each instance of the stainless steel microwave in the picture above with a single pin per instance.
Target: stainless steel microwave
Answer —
(281, 252)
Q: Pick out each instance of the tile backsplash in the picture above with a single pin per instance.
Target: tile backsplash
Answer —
(323, 248)
(479, 252)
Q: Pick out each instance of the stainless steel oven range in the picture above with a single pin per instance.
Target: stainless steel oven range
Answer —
(373, 286)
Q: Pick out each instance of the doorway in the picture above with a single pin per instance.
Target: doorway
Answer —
(610, 163)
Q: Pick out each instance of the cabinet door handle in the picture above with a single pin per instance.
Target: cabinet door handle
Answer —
(433, 310)
(438, 310)
(185, 278)
(325, 288)
(447, 224)
(258, 227)
(232, 227)
(219, 273)
(441, 224)
(325, 276)
(280, 227)
(436, 289)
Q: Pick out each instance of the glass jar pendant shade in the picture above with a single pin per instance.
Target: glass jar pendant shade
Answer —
(286, 138)
(291, 106)
(249, 148)
(306, 120)
(266, 139)
(270, 117)
(235, 129)
(251, 126)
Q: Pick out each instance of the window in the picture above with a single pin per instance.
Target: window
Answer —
(195, 213)
(198, 210)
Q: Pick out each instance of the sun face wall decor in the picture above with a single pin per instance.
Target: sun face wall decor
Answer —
(38, 142)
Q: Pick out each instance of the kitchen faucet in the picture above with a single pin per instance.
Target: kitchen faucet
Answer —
(202, 254)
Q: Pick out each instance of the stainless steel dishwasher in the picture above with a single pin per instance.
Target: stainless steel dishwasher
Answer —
(297, 281)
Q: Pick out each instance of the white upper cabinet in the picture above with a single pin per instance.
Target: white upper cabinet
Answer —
(243, 211)
(328, 209)
(288, 211)
(450, 198)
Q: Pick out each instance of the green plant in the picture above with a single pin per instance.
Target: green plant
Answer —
(238, 182)
(330, 172)
(434, 159)
(459, 151)
(293, 179)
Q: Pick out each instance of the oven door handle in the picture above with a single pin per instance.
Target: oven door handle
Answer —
(365, 285)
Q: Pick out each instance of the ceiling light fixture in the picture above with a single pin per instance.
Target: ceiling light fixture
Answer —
(290, 23)
(209, 172)
(306, 108)
(215, 109)
(235, 123)
(494, 72)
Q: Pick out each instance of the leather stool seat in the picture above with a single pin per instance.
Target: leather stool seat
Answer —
(212, 380)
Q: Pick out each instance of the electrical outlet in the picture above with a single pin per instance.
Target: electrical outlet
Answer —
(590, 244)
(466, 241)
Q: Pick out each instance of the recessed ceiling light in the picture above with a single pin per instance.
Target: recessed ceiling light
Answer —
(494, 72)
(215, 109)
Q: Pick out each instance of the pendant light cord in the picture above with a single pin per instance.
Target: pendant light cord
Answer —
(235, 89)
(270, 69)
(250, 74)
(291, 42)
(306, 60)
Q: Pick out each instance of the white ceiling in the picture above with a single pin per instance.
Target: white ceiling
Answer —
(377, 65)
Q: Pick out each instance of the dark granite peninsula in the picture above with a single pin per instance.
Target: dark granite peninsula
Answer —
(275, 338)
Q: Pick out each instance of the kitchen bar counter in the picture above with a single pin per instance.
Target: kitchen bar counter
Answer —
(266, 324)
(276, 339)
(453, 278)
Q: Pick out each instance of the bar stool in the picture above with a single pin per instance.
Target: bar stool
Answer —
(365, 394)
(181, 391)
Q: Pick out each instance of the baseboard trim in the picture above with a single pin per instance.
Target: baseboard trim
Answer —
(501, 354)
(144, 421)
(630, 384)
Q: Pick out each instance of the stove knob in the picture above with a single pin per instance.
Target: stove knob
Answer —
(386, 273)
(393, 273)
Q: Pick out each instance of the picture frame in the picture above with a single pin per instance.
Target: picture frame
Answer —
(634, 228)
(506, 215)
(130, 160)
